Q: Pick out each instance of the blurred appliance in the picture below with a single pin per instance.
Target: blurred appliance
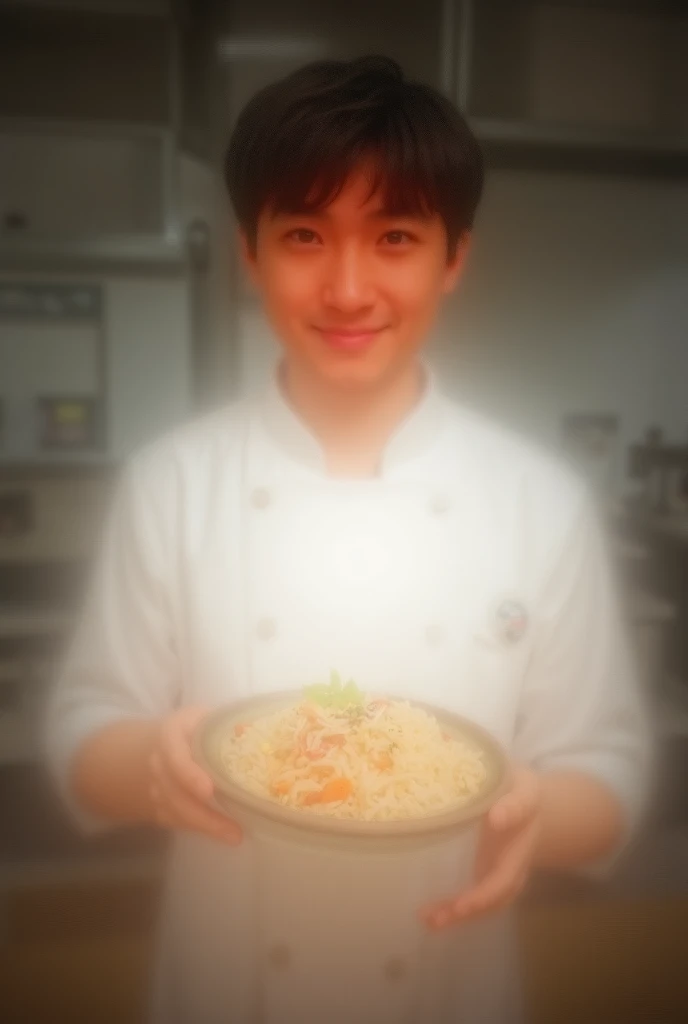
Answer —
(52, 368)
(88, 130)
(92, 365)
(589, 441)
(663, 467)
(30, 643)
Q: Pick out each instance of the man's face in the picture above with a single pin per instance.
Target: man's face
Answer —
(351, 290)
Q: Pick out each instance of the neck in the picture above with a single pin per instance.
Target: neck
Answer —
(353, 427)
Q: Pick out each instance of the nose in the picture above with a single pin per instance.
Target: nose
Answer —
(348, 285)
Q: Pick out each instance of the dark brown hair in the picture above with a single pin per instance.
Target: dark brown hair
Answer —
(297, 141)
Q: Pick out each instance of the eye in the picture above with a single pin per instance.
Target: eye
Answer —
(304, 236)
(398, 237)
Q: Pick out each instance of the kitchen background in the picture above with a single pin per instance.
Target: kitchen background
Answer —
(123, 311)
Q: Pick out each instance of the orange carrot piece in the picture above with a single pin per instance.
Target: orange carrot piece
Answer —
(334, 790)
(383, 762)
(311, 798)
(281, 787)
(315, 753)
(240, 728)
(337, 789)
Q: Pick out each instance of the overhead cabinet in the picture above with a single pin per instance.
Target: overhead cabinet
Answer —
(596, 75)
(88, 130)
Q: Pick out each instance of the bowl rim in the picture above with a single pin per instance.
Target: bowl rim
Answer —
(451, 820)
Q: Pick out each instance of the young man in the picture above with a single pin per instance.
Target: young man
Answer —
(354, 518)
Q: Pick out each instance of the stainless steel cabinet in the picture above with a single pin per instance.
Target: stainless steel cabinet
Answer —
(601, 75)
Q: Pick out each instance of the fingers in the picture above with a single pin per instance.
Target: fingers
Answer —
(175, 808)
(504, 855)
(517, 806)
(496, 890)
(180, 790)
(175, 750)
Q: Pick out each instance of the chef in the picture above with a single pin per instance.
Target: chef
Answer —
(354, 519)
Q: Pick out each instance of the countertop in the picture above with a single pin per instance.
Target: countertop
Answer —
(674, 526)
(32, 619)
(646, 522)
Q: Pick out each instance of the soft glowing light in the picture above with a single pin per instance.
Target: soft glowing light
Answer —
(362, 559)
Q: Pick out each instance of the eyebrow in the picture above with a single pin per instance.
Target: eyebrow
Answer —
(378, 214)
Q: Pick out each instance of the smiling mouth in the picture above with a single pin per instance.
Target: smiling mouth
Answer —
(347, 339)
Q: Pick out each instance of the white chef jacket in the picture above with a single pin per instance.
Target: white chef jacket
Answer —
(469, 574)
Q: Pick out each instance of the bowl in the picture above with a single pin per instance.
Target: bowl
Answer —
(334, 897)
(232, 797)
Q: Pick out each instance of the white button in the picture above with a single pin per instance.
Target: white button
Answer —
(261, 497)
(266, 629)
(434, 634)
(395, 969)
(280, 955)
(440, 504)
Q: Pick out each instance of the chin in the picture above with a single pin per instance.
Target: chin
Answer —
(353, 375)
(357, 372)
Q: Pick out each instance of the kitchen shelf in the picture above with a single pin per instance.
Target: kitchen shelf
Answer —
(562, 147)
(23, 622)
(494, 129)
(59, 466)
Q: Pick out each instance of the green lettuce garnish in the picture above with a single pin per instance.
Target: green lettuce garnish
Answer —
(334, 694)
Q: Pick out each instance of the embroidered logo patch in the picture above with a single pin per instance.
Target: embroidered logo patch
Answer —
(510, 621)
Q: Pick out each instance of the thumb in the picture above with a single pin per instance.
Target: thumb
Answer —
(179, 745)
(519, 804)
(189, 719)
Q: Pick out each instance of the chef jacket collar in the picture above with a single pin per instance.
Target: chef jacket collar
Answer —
(412, 438)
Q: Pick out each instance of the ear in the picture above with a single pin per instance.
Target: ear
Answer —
(457, 264)
(249, 261)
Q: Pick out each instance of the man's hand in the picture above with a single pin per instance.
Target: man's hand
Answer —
(180, 791)
(506, 850)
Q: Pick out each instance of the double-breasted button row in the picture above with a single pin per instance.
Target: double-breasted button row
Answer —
(262, 498)
(280, 958)
(266, 629)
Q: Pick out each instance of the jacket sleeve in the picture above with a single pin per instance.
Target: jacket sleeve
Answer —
(122, 661)
(582, 706)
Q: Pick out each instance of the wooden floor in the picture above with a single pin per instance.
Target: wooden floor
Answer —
(78, 954)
